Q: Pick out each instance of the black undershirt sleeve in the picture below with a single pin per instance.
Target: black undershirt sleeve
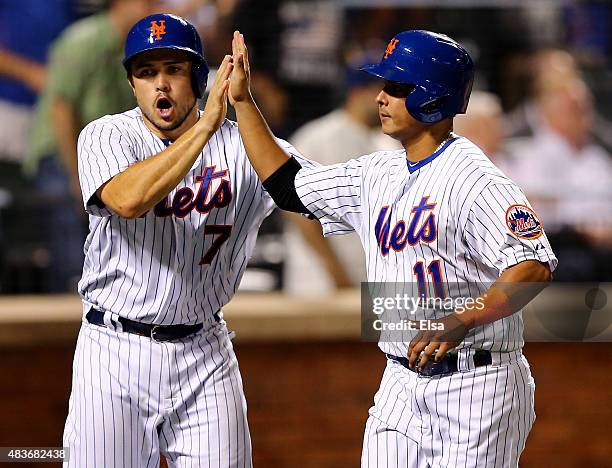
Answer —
(281, 187)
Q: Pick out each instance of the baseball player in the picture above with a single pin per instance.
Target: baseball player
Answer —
(174, 207)
(438, 214)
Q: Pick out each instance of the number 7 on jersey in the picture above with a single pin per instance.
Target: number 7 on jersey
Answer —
(224, 231)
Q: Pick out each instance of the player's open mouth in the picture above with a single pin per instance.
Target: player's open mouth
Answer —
(164, 107)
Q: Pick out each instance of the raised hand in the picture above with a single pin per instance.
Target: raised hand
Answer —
(240, 82)
(216, 104)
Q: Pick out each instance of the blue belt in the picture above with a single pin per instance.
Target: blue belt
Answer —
(156, 332)
(447, 365)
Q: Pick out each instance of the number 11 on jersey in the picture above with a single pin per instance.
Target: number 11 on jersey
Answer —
(434, 269)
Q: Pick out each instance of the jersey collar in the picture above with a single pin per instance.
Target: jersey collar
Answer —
(413, 167)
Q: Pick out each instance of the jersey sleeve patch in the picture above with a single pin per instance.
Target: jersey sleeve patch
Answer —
(523, 222)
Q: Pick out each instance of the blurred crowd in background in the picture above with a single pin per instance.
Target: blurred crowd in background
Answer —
(541, 110)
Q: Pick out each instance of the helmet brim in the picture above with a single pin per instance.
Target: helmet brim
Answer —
(192, 53)
(400, 75)
(388, 73)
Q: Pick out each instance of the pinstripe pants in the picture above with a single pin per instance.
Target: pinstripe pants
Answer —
(133, 397)
(478, 418)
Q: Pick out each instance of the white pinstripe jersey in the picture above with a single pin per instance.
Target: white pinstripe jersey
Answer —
(453, 218)
(183, 260)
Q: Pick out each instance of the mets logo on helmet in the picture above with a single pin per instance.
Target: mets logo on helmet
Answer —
(157, 30)
(391, 47)
(523, 222)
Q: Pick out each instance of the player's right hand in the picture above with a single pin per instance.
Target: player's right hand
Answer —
(241, 76)
(216, 104)
(435, 342)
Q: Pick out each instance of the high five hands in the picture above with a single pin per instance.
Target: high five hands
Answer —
(239, 89)
(216, 103)
(232, 82)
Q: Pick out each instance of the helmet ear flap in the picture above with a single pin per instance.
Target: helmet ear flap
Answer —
(199, 77)
(432, 106)
(422, 107)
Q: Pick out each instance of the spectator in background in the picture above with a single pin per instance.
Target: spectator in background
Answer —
(589, 36)
(315, 265)
(295, 49)
(566, 175)
(85, 80)
(28, 28)
(523, 120)
(483, 125)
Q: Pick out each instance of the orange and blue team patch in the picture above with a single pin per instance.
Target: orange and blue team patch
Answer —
(523, 222)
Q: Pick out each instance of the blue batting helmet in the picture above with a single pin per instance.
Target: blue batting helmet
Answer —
(441, 71)
(164, 31)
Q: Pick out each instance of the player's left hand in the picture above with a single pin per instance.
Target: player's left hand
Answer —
(443, 335)
(241, 76)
